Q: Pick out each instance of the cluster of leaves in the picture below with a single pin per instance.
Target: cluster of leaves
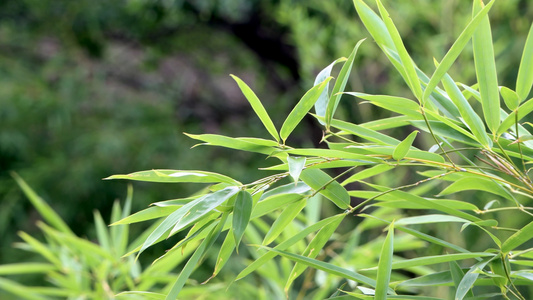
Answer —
(486, 152)
(281, 229)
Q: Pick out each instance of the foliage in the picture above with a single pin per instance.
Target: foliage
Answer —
(471, 239)
(479, 145)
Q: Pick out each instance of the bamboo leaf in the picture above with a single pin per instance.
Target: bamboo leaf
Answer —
(241, 215)
(325, 185)
(385, 265)
(457, 275)
(510, 97)
(398, 105)
(147, 214)
(407, 62)
(426, 219)
(518, 238)
(313, 249)
(301, 109)
(436, 259)
(373, 23)
(225, 252)
(286, 217)
(26, 268)
(486, 70)
(327, 267)
(363, 132)
(477, 183)
(522, 111)
(286, 244)
(322, 103)
(240, 143)
(340, 84)
(173, 176)
(257, 107)
(470, 278)
(402, 148)
(455, 50)
(373, 171)
(296, 165)
(472, 120)
(525, 76)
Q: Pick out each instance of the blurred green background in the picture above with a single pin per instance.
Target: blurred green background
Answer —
(91, 88)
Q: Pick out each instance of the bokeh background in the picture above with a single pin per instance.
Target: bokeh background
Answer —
(91, 88)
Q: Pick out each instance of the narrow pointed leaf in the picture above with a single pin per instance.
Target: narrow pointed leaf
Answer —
(457, 275)
(518, 238)
(470, 278)
(241, 215)
(455, 50)
(510, 97)
(385, 265)
(373, 23)
(407, 62)
(472, 120)
(286, 217)
(325, 185)
(240, 143)
(176, 176)
(486, 70)
(301, 109)
(402, 148)
(524, 110)
(477, 183)
(525, 76)
(147, 214)
(373, 171)
(313, 249)
(257, 107)
(340, 84)
(296, 165)
(322, 103)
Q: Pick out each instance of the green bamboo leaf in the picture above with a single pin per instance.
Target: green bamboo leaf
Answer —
(322, 103)
(301, 109)
(290, 188)
(241, 215)
(407, 62)
(257, 107)
(374, 25)
(486, 70)
(455, 204)
(430, 280)
(510, 97)
(274, 202)
(330, 153)
(385, 265)
(472, 120)
(441, 129)
(518, 238)
(172, 176)
(239, 143)
(150, 213)
(479, 184)
(284, 219)
(187, 214)
(313, 249)
(327, 267)
(296, 165)
(42, 249)
(525, 76)
(427, 219)
(203, 207)
(457, 275)
(455, 50)
(48, 214)
(436, 259)
(319, 181)
(373, 171)
(225, 252)
(470, 278)
(522, 111)
(398, 105)
(402, 148)
(366, 133)
(286, 244)
(340, 84)
(194, 260)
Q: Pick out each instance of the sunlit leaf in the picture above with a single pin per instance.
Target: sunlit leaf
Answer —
(325, 185)
(301, 109)
(286, 217)
(176, 176)
(525, 76)
(322, 102)
(518, 238)
(470, 278)
(402, 148)
(257, 107)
